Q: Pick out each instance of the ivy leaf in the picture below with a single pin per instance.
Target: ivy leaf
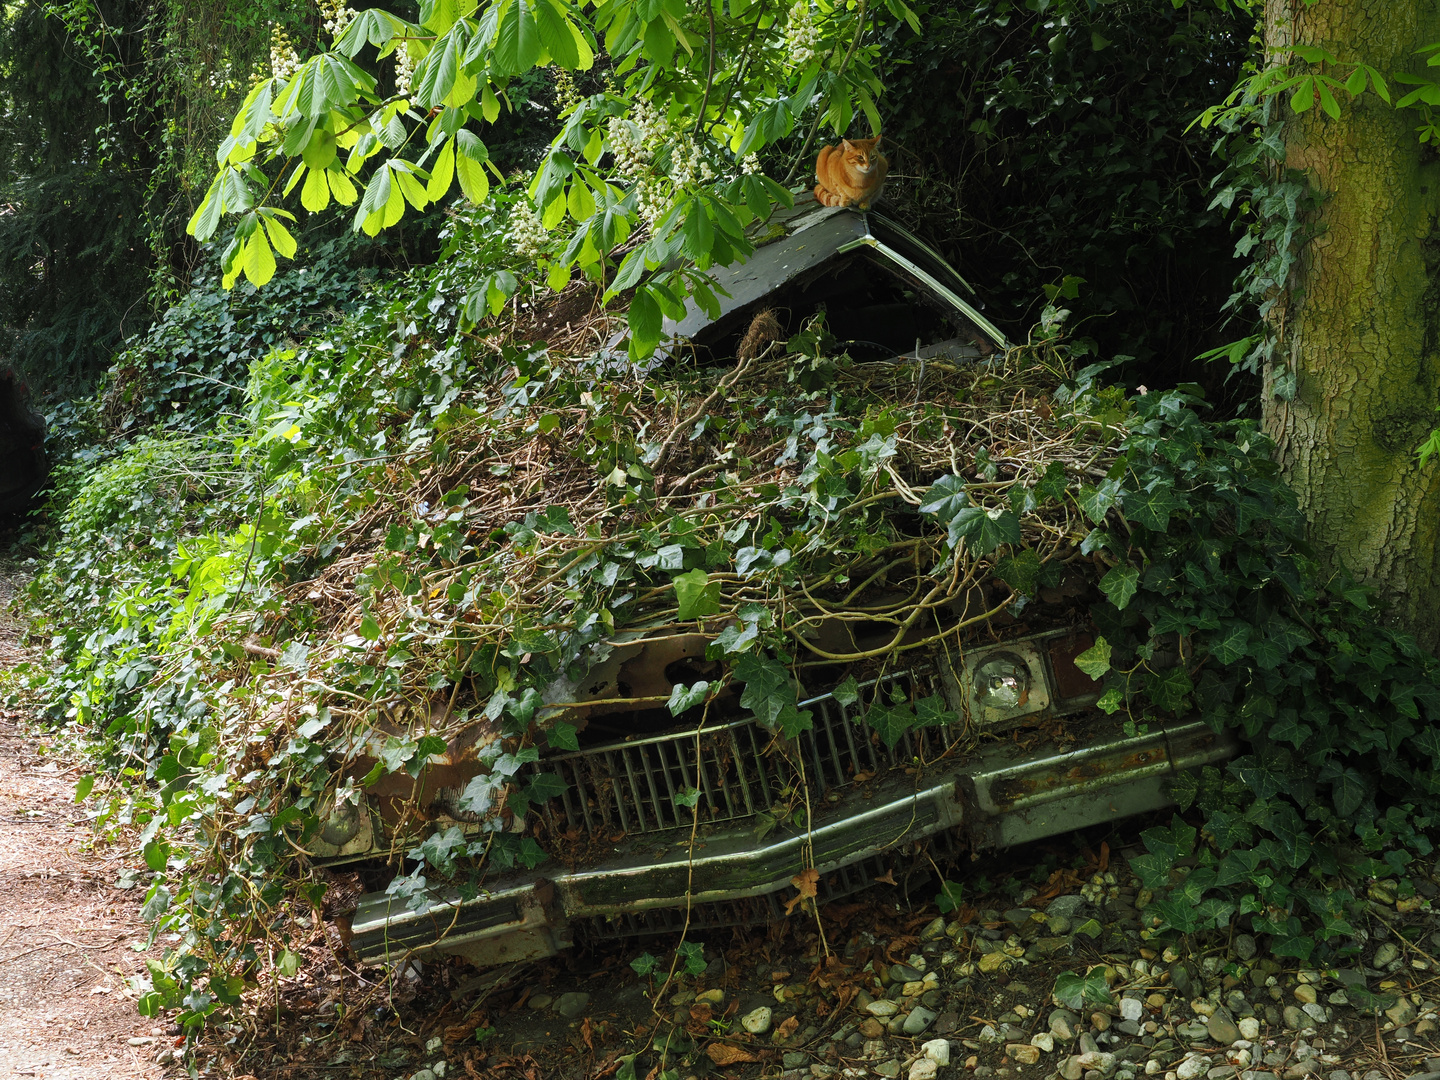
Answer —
(157, 854)
(1020, 571)
(1097, 501)
(697, 594)
(1052, 485)
(683, 698)
(1120, 584)
(984, 530)
(931, 712)
(890, 722)
(1095, 661)
(1169, 688)
(439, 849)
(479, 794)
(945, 499)
(1152, 508)
(846, 694)
(1230, 643)
(768, 688)
(790, 721)
(562, 736)
(1348, 789)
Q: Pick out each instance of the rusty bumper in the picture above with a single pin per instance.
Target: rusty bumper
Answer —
(998, 797)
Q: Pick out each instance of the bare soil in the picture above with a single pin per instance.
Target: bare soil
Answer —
(67, 932)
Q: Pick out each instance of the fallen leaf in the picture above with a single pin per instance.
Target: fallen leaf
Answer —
(725, 1054)
(888, 878)
(786, 1029)
(808, 882)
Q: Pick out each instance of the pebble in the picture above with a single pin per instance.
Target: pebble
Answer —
(1065, 905)
(757, 1021)
(938, 1051)
(1064, 1024)
(1245, 947)
(1401, 1013)
(140, 1040)
(1023, 1053)
(572, 1004)
(1131, 1008)
(919, 1019)
(1306, 995)
(871, 1028)
(1045, 1041)
(1100, 1021)
(904, 973)
(1294, 1018)
(1071, 1069)
(539, 1001)
(888, 1068)
(882, 1007)
(1192, 1068)
(934, 930)
(1222, 1027)
(1386, 954)
(710, 997)
(1249, 1028)
(924, 1069)
(993, 962)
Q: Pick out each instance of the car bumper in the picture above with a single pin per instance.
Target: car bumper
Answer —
(997, 797)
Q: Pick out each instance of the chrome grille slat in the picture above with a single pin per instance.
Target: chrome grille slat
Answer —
(744, 782)
(633, 786)
(648, 766)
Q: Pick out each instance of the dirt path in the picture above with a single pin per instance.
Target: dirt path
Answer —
(65, 930)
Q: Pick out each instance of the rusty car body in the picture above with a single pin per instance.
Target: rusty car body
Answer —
(668, 821)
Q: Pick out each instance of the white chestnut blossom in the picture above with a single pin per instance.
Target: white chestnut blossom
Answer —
(283, 60)
(802, 36)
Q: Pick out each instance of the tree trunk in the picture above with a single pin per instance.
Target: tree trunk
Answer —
(1360, 328)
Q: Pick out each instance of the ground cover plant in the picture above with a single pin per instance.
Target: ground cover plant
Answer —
(430, 511)
(411, 526)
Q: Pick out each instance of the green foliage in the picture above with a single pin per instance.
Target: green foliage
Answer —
(1082, 991)
(1224, 612)
(1057, 129)
(73, 260)
(662, 145)
(192, 364)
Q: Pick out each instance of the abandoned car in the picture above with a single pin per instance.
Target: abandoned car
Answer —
(714, 814)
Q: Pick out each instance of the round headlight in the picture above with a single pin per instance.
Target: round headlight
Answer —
(1002, 682)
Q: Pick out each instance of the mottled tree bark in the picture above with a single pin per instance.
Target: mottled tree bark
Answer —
(1360, 327)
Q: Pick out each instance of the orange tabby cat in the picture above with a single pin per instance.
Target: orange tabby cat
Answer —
(850, 174)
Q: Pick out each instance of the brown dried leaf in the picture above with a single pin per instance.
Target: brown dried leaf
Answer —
(723, 1054)
(808, 882)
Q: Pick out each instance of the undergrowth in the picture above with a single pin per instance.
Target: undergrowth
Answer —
(411, 535)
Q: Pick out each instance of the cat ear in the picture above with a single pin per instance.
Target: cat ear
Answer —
(846, 144)
(878, 136)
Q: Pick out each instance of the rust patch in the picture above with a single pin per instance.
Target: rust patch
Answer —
(1006, 793)
(1070, 681)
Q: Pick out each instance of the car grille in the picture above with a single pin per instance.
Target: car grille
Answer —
(738, 768)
